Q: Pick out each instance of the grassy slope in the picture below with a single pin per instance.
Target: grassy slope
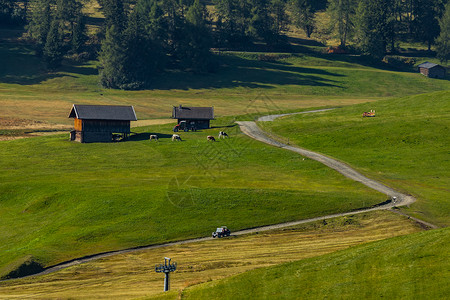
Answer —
(28, 91)
(410, 267)
(405, 145)
(60, 200)
(132, 274)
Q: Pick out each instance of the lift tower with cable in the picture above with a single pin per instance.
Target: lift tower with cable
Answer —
(166, 268)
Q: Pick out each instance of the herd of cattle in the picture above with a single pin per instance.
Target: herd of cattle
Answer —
(176, 137)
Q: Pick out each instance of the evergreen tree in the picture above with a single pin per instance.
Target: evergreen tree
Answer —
(39, 22)
(68, 12)
(443, 40)
(115, 12)
(425, 23)
(142, 58)
(261, 23)
(233, 17)
(53, 49)
(79, 34)
(12, 12)
(303, 15)
(342, 14)
(375, 27)
(280, 18)
(112, 71)
(198, 56)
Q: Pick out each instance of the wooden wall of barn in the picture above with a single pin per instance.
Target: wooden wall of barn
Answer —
(435, 72)
(106, 126)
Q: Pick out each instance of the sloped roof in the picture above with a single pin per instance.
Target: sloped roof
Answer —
(197, 113)
(427, 65)
(103, 112)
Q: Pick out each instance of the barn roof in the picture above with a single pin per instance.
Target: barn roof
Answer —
(197, 113)
(427, 65)
(103, 112)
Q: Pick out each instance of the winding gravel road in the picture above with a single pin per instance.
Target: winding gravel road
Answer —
(252, 130)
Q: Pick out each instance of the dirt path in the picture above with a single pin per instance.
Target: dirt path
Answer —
(273, 117)
(251, 129)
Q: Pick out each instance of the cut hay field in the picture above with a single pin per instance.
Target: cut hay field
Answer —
(131, 275)
(60, 200)
(406, 145)
(243, 84)
(414, 266)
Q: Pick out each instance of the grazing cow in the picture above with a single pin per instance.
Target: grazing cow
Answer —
(176, 137)
(222, 134)
(153, 137)
(210, 138)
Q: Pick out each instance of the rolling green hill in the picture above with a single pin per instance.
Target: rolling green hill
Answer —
(287, 81)
(409, 267)
(405, 145)
(61, 200)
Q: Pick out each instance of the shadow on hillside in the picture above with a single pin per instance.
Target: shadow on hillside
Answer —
(237, 71)
(304, 42)
(19, 65)
(146, 136)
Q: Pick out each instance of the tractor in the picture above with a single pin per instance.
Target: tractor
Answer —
(221, 232)
(185, 126)
(370, 113)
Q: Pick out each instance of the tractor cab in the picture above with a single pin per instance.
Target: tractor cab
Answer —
(185, 126)
(221, 232)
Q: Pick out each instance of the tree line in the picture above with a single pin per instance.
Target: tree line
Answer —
(141, 38)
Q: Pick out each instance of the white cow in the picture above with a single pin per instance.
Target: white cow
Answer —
(176, 137)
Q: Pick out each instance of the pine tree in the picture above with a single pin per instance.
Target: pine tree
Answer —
(280, 18)
(342, 14)
(261, 23)
(39, 22)
(443, 40)
(303, 14)
(115, 12)
(53, 49)
(375, 27)
(198, 56)
(233, 16)
(112, 72)
(79, 34)
(425, 23)
(142, 57)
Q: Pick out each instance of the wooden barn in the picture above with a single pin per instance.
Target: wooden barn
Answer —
(100, 123)
(432, 70)
(199, 117)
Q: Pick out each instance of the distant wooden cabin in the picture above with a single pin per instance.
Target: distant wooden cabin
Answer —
(199, 117)
(432, 70)
(100, 123)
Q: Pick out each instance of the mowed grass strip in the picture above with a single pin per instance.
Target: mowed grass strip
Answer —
(414, 266)
(243, 84)
(405, 146)
(60, 200)
(132, 275)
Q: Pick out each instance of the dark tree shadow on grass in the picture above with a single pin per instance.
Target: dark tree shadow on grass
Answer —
(143, 136)
(19, 65)
(249, 73)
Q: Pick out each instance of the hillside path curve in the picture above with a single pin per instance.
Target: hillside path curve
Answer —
(252, 130)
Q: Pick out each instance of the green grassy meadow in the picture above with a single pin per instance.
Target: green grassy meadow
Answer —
(243, 84)
(405, 145)
(61, 200)
(131, 275)
(415, 266)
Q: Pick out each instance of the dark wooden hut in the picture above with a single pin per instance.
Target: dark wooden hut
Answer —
(432, 70)
(199, 117)
(100, 123)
